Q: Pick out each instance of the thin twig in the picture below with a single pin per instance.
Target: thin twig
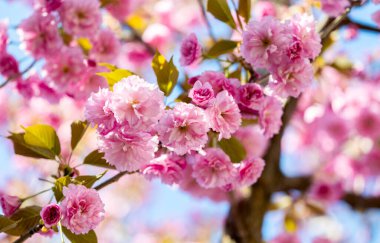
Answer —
(29, 234)
(19, 74)
(204, 14)
(113, 179)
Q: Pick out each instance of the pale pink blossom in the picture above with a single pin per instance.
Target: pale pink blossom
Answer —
(9, 204)
(168, 167)
(263, 42)
(213, 170)
(376, 1)
(253, 140)
(270, 116)
(249, 171)
(39, 35)
(191, 50)
(285, 238)
(98, 112)
(106, 46)
(216, 79)
(157, 35)
(305, 41)
(376, 17)
(224, 115)
(201, 94)
(232, 85)
(82, 209)
(3, 36)
(134, 55)
(334, 8)
(128, 149)
(27, 87)
(65, 67)
(8, 66)
(183, 129)
(121, 8)
(264, 8)
(51, 214)
(137, 102)
(292, 80)
(351, 32)
(251, 96)
(81, 18)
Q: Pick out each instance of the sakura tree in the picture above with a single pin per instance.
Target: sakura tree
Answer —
(208, 97)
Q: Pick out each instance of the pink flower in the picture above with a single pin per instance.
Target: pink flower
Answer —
(376, 1)
(9, 204)
(8, 66)
(334, 7)
(39, 35)
(251, 96)
(213, 169)
(134, 55)
(137, 102)
(52, 5)
(3, 36)
(128, 149)
(81, 18)
(263, 41)
(201, 94)
(183, 129)
(351, 32)
(157, 35)
(98, 112)
(51, 214)
(27, 87)
(224, 115)
(82, 209)
(121, 8)
(264, 8)
(216, 79)
(305, 41)
(106, 46)
(65, 68)
(376, 17)
(249, 171)
(292, 80)
(270, 116)
(285, 238)
(168, 167)
(327, 192)
(367, 123)
(253, 140)
(191, 50)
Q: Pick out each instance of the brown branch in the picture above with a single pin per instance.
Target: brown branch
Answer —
(19, 74)
(29, 234)
(208, 24)
(360, 202)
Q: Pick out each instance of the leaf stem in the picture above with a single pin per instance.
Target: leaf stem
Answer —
(34, 195)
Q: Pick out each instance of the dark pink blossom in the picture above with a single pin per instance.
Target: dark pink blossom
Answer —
(51, 215)
(191, 50)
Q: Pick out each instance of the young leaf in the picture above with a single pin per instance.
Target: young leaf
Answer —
(88, 181)
(90, 237)
(221, 11)
(166, 73)
(21, 148)
(43, 137)
(78, 128)
(222, 47)
(233, 148)
(114, 75)
(21, 221)
(58, 187)
(244, 9)
(85, 45)
(95, 158)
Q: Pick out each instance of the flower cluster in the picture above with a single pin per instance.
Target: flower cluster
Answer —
(285, 50)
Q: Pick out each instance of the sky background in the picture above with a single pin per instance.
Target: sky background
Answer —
(170, 203)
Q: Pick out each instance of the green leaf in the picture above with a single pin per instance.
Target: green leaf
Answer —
(166, 73)
(222, 47)
(235, 74)
(244, 9)
(58, 187)
(95, 158)
(88, 181)
(21, 221)
(220, 10)
(90, 237)
(114, 75)
(233, 148)
(21, 148)
(43, 139)
(78, 128)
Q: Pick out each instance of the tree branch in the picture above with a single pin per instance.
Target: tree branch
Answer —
(360, 202)
(113, 179)
(29, 234)
(19, 74)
